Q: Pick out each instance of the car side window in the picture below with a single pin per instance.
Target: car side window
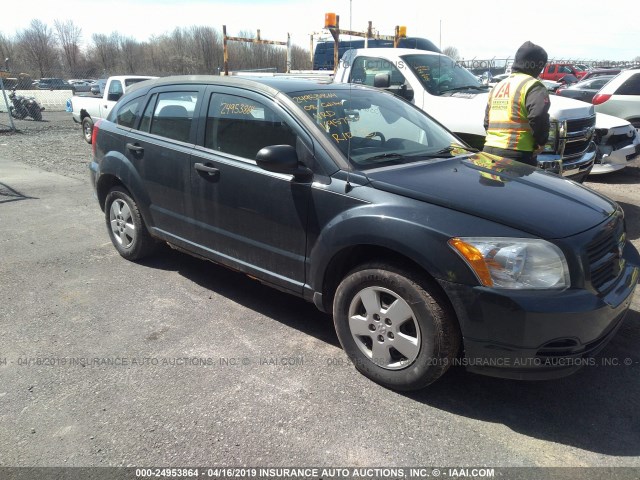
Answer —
(552, 68)
(173, 115)
(242, 126)
(631, 86)
(126, 116)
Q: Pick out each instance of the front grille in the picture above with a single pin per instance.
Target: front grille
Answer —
(573, 149)
(580, 124)
(577, 136)
(604, 254)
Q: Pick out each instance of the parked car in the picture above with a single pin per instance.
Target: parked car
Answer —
(97, 87)
(53, 84)
(87, 109)
(451, 94)
(620, 97)
(597, 72)
(80, 86)
(557, 71)
(618, 143)
(358, 201)
(585, 89)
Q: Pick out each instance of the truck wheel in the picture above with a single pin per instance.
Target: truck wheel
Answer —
(87, 128)
(395, 327)
(126, 227)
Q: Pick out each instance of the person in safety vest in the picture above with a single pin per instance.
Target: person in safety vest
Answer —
(517, 114)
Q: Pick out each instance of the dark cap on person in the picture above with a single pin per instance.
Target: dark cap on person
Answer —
(530, 59)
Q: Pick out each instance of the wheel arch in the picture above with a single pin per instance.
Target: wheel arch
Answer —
(113, 170)
(351, 257)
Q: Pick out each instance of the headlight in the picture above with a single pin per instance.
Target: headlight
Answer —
(519, 263)
(551, 145)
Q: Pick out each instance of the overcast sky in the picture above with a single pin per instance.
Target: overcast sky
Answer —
(478, 29)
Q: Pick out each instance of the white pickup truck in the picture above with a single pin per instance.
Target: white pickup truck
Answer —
(87, 109)
(453, 96)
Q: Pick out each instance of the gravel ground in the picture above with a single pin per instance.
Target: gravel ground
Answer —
(55, 144)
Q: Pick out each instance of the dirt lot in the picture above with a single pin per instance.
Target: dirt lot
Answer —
(66, 296)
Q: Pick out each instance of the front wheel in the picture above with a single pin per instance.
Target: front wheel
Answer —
(126, 226)
(18, 113)
(395, 327)
(87, 129)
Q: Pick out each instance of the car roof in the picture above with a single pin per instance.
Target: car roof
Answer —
(268, 84)
(619, 79)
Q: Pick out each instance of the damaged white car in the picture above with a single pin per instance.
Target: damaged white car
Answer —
(618, 144)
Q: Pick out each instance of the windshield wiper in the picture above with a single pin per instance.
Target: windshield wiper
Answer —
(385, 155)
(448, 149)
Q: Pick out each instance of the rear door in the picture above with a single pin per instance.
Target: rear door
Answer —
(244, 216)
(161, 150)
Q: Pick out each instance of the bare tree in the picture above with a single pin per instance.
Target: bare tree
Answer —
(105, 50)
(300, 59)
(69, 36)
(131, 55)
(452, 52)
(7, 48)
(208, 45)
(38, 43)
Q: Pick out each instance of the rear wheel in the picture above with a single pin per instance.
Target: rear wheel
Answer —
(126, 226)
(36, 114)
(395, 327)
(87, 128)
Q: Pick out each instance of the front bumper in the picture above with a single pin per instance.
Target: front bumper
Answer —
(537, 335)
(574, 168)
(612, 158)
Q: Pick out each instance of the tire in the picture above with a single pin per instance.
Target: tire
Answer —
(18, 113)
(87, 129)
(36, 115)
(126, 227)
(406, 336)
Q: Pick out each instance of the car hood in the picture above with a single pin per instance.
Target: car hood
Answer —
(501, 190)
(609, 121)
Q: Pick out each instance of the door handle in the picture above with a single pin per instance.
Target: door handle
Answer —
(135, 148)
(211, 171)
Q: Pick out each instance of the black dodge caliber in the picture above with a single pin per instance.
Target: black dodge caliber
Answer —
(427, 253)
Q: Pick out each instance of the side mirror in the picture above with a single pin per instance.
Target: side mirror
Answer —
(382, 80)
(282, 159)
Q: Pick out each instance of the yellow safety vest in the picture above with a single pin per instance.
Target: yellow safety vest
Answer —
(508, 116)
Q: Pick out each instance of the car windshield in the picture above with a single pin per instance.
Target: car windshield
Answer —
(440, 74)
(374, 128)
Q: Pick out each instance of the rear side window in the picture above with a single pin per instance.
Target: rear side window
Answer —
(241, 126)
(127, 114)
(172, 115)
(631, 86)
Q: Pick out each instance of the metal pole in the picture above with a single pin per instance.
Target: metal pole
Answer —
(288, 53)
(6, 101)
(225, 52)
